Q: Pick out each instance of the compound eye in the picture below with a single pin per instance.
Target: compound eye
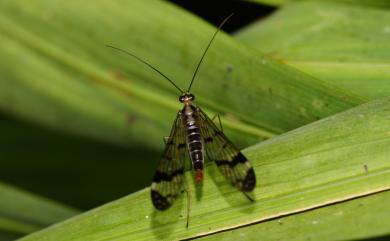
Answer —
(192, 97)
(181, 98)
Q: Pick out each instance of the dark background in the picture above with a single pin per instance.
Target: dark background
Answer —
(85, 173)
(214, 12)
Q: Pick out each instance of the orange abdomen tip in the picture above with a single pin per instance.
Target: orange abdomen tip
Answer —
(198, 175)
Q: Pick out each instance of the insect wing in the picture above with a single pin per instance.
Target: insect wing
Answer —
(230, 161)
(168, 179)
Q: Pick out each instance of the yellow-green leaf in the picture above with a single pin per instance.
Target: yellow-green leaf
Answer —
(57, 72)
(356, 219)
(346, 46)
(335, 159)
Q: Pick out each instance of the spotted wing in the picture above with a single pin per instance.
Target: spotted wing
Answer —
(230, 161)
(168, 179)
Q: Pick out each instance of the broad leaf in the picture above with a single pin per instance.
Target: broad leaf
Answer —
(71, 81)
(345, 46)
(22, 213)
(356, 219)
(335, 159)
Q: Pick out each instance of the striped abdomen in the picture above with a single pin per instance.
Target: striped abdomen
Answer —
(194, 140)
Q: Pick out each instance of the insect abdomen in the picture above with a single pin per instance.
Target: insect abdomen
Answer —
(194, 142)
(195, 146)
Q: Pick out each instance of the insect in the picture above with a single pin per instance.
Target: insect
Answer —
(193, 132)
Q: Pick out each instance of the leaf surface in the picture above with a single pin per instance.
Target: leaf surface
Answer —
(72, 82)
(22, 213)
(335, 159)
(346, 46)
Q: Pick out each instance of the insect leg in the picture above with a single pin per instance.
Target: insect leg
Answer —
(219, 121)
(249, 197)
(188, 206)
(188, 191)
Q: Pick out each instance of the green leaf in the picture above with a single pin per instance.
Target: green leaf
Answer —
(346, 46)
(71, 81)
(356, 219)
(22, 213)
(71, 169)
(335, 159)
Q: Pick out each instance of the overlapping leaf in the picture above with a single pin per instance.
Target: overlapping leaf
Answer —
(339, 221)
(22, 213)
(71, 81)
(346, 46)
(57, 72)
(339, 158)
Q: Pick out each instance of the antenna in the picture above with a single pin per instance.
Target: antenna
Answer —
(151, 66)
(207, 48)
